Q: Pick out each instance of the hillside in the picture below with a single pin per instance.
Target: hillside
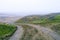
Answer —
(51, 21)
(31, 18)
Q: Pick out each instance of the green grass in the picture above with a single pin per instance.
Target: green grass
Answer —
(6, 31)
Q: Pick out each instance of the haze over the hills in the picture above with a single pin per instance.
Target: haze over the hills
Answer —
(29, 7)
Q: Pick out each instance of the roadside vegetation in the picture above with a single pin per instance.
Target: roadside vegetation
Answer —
(6, 31)
(56, 28)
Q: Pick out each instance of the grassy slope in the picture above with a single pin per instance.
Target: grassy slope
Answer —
(6, 31)
(50, 20)
(54, 22)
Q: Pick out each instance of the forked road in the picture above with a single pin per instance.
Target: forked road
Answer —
(47, 30)
(17, 35)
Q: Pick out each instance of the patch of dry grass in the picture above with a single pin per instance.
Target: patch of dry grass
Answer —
(31, 33)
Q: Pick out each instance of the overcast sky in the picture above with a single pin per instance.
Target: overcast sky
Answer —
(25, 7)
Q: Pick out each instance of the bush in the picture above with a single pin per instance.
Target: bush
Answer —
(6, 31)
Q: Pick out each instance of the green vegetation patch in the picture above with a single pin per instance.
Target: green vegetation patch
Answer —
(6, 31)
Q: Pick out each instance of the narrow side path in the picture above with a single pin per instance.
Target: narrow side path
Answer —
(17, 35)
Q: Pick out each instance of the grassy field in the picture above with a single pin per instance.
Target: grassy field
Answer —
(6, 31)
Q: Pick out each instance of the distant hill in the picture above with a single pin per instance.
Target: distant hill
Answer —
(29, 18)
(32, 18)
